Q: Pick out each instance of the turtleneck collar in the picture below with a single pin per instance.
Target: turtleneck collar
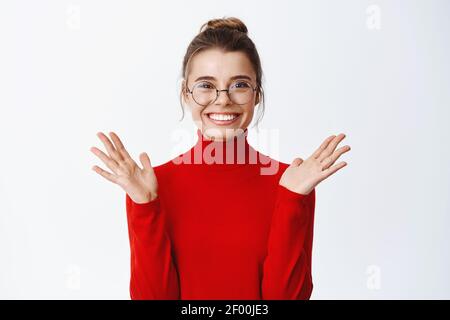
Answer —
(232, 155)
(235, 151)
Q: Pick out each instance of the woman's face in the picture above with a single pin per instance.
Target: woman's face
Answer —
(221, 69)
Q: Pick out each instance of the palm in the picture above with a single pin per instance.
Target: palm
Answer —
(140, 183)
(139, 179)
(303, 176)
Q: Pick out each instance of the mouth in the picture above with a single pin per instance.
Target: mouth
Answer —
(223, 119)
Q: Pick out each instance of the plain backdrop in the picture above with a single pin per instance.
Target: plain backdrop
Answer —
(377, 71)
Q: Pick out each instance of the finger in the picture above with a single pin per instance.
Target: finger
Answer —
(107, 175)
(119, 146)
(331, 146)
(322, 147)
(330, 160)
(145, 160)
(296, 162)
(110, 163)
(109, 147)
(328, 172)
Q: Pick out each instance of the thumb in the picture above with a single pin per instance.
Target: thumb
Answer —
(145, 160)
(296, 162)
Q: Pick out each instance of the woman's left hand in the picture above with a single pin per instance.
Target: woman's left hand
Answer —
(303, 176)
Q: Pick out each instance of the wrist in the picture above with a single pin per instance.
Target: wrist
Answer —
(300, 190)
(146, 198)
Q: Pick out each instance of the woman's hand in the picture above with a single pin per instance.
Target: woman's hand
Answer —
(140, 184)
(303, 176)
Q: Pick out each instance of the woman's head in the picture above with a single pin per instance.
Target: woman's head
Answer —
(222, 56)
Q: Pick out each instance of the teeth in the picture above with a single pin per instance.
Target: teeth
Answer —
(222, 117)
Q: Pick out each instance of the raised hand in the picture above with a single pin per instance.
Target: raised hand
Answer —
(303, 176)
(140, 183)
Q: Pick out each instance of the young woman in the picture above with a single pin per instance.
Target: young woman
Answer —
(222, 220)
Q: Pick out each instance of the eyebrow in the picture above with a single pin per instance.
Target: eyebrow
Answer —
(239, 76)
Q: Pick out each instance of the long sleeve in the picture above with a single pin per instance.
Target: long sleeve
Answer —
(153, 272)
(287, 265)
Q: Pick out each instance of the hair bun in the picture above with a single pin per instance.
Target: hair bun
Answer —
(229, 23)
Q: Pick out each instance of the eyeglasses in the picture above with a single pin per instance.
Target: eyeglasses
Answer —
(204, 93)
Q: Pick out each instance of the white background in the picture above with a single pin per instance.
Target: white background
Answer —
(377, 71)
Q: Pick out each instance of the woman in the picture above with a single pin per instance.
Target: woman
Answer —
(220, 221)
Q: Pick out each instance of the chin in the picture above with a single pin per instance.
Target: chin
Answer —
(220, 134)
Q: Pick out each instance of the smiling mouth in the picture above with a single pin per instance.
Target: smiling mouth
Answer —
(223, 118)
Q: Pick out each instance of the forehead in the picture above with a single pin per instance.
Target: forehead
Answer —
(221, 65)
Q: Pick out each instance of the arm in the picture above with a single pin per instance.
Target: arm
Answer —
(153, 273)
(287, 266)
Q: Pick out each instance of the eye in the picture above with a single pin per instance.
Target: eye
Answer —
(241, 84)
(204, 85)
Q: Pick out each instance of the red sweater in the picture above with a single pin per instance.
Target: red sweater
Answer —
(221, 230)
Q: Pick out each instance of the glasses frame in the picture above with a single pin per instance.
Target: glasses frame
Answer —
(218, 92)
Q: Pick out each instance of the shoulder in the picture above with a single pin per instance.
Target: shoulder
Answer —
(164, 169)
(270, 165)
(171, 169)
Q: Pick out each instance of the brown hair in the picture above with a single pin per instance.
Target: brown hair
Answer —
(227, 34)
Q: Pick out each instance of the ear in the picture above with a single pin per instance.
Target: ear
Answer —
(183, 91)
(257, 98)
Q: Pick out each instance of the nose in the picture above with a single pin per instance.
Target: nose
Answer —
(223, 98)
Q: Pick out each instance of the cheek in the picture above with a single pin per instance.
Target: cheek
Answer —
(248, 110)
(196, 111)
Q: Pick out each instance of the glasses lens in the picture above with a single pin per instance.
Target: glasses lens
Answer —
(204, 93)
(241, 92)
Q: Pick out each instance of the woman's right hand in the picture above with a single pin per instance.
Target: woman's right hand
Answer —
(140, 184)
